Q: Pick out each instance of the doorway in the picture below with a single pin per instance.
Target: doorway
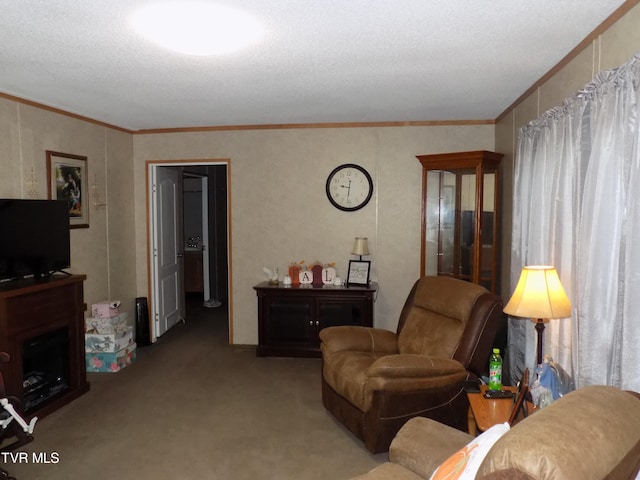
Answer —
(195, 188)
(172, 243)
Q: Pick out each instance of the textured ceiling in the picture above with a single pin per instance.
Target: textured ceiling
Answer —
(320, 61)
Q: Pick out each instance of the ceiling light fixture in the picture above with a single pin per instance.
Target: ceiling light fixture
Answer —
(196, 28)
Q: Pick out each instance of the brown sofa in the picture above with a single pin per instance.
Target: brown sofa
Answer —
(374, 380)
(590, 434)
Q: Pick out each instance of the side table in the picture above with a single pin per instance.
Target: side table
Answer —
(486, 412)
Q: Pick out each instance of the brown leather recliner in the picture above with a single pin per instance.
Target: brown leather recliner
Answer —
(374, 380)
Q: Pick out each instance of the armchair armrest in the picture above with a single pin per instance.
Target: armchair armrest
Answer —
(423, 444)
(410, 365)
(359, 339)
(413, 372)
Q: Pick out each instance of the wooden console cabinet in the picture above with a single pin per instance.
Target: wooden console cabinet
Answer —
(32, 308)
(290, 318)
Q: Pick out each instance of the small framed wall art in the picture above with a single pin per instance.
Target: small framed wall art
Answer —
(67, 180)
(358, 272)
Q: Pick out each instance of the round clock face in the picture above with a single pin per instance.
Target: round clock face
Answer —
(349, 187)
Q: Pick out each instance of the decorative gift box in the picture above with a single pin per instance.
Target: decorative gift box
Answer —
(106, 326)
(108, 309)
(112, 342)
(111, 362)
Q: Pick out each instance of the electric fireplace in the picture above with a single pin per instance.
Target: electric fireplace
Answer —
(45, 366)
(42, 332)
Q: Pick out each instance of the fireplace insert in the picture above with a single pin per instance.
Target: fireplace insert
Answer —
(46, 367)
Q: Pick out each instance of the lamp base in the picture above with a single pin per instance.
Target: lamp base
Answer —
(540, 330)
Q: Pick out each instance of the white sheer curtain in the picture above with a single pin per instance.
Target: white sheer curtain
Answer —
(577, 207)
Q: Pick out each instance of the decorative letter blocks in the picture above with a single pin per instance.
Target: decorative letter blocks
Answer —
(306, 277)
(328, 275)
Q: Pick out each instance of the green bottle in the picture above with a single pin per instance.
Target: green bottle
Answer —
(495, 370)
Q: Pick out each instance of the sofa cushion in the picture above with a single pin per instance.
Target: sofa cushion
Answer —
(464, 463)
(437, 318)
(429, 333)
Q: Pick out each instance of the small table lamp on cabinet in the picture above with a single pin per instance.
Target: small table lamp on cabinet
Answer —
(360, 247)
(539, 295)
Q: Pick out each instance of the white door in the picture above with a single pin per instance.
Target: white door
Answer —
(205, 238)
(168, 286)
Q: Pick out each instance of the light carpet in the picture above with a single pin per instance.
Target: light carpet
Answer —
(194, 407)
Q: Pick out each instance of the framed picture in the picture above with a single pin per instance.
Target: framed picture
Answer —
(520, 399)
(358, 272)
(67, 180)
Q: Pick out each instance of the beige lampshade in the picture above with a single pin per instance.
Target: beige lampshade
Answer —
(360, 246)
(539, 294)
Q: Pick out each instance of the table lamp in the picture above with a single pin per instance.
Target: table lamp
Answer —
(360, 247)
(539, 296)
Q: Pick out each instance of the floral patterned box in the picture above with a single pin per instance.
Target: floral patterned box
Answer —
(106, 326)
(111, 342)
(111, 362)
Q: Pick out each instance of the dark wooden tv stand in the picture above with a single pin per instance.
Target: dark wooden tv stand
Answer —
(30, 308)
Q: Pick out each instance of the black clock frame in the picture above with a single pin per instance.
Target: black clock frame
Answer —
(328, 187)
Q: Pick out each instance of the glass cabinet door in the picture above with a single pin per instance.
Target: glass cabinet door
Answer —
(459, 226)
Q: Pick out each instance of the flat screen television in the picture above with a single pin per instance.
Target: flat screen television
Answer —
(34, 238)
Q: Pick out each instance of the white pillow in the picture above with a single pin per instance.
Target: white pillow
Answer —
(464, 464)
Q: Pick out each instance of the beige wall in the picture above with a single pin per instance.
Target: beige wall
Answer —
(280, 213)
(279, 210)
(608, 50)
(121, 235)
(26, 132)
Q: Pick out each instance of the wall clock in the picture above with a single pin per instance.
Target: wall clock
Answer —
(349, 187)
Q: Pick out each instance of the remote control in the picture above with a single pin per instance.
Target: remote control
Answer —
(498, 394)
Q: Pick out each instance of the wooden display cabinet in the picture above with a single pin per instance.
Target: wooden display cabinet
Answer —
(290, 318)
(460, 216)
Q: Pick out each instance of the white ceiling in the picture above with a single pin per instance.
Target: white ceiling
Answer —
(321, 61)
